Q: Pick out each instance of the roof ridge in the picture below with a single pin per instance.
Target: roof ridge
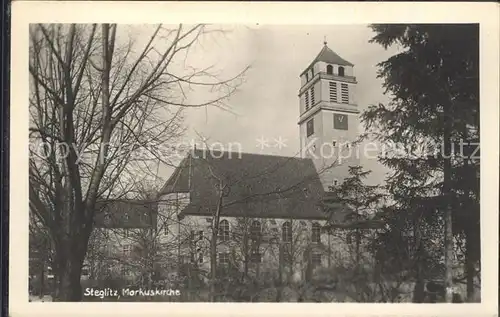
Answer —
(256, 154)
(126, 200)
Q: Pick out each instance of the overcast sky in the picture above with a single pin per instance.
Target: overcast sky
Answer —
(267, 104)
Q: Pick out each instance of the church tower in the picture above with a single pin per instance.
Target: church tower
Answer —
(329, 116)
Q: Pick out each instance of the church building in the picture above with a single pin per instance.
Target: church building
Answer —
(267, 208)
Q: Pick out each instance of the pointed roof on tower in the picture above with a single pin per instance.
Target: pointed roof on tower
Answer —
(328, 56)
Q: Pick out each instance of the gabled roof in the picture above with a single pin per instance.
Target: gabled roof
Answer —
(328, 56)
(260, 186)
(126, 213)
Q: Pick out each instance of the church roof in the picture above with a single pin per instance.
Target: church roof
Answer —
(259, 186)
(328, 56)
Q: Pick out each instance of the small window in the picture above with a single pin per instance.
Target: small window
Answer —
(200, 258)
(126, 250)
(224, 258)
(255, 231)
(307, 77)
(334, 143)
(341, 71)
(287, 232)
(316, 233)
(310, 127)
(312, 96)
(329, 69)
(126, 216)
(335, 182)
(286, 253)
(125, 271)
(224, 230)
(316, 259)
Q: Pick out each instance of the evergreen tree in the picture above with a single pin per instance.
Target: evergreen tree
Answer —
(434, 85)
(353, 207)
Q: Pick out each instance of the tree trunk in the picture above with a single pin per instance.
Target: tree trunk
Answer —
(357, 278)
(69, 257)
(42, 278)
(446, 193)
(213, 262)
(470, 257)
(419, 289)
(279, 286)
(68, 287)
(213, 247)
(448, 232)
(470, 269)
(358, 255)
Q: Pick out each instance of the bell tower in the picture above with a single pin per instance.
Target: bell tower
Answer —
(329, 116)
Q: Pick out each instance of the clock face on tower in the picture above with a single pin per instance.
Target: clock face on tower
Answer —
(340, 121)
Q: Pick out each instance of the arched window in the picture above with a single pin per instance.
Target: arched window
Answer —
(255, 233)
(316, 233)
(329, 69)
(255, 230)
(286, 231)
(341, 71)
(224, 230)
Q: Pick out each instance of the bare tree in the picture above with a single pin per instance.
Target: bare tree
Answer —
(95, 100)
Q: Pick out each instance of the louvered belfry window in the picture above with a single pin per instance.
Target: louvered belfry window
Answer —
(333, 91)
(307, 100)
(344, 93)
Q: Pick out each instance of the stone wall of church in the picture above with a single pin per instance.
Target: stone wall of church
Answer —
(233, 248)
